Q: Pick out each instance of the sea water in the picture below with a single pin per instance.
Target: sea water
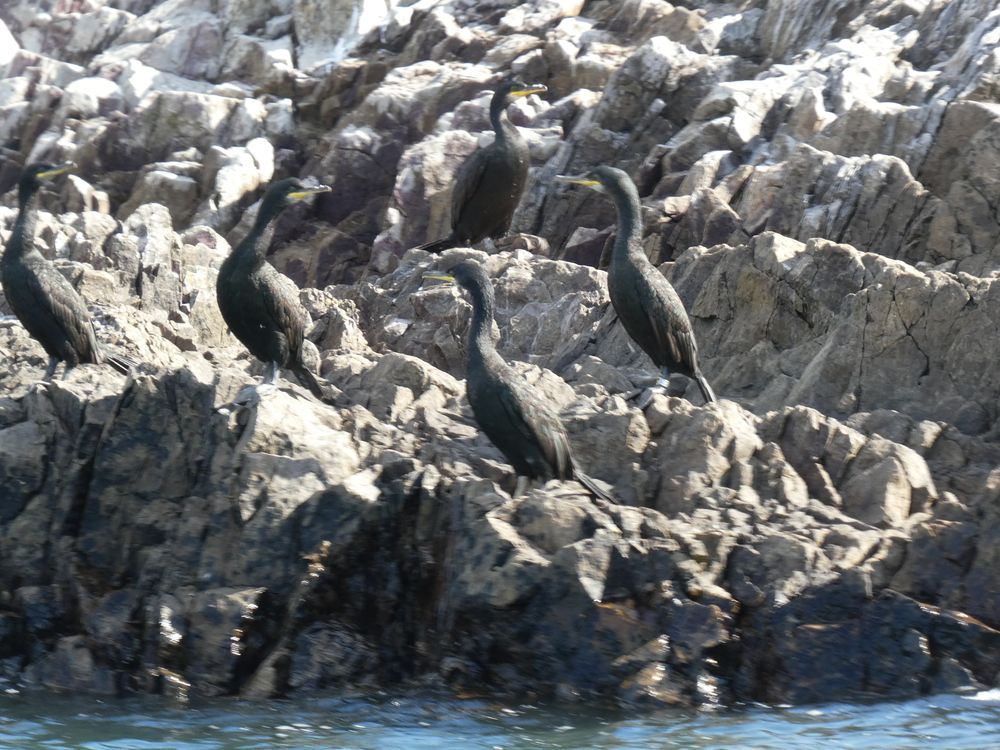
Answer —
(36, 720)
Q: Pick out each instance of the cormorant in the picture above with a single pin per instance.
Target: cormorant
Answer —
(489, 184)
(42, 298)
(260, 305)
(515, 419)
(646, 303)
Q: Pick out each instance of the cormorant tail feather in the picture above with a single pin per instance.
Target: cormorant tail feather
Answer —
(306, 377)
(120, 362)
(706, 389)
(438, 246)
(593, 488)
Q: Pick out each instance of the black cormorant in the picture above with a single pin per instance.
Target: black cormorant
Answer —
(42, 298)
(646, 303)
(517, 421)
(489, 184)
(260, 305)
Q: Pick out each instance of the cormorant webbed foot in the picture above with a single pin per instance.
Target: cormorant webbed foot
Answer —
(248, 397)
(522, 486)
(51, 370)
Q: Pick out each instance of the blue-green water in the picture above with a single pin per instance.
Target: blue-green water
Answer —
(947, 722)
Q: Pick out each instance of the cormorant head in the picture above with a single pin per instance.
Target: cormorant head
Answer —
(35, 174)
(512, 88)
(602, 178)
(467, 274)
(286, 192)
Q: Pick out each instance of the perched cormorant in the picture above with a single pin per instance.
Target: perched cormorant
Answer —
(42, 298)
(517, 421)
(646, 303)
(489, 184)
(260, 305)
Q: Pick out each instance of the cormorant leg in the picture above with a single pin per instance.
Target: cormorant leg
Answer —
(522, 485)
(250, 396)
(643, 397)
(661, 385)
(51, 370)
(66, 370)
(271, 378)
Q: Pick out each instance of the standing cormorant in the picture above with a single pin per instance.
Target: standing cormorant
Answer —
(42, 298)
(489, 184)
(646, 303)
(260, 305)
(515, 419)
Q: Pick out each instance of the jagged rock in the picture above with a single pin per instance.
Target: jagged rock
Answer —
(191, 50)
(267, 63)
(81, 196)
(178, 193)
(326, 32)
(8, 44)
(168, 121)
(91, 97)
(229, 176)
(830, 358)
(148, 230)
(71, 666)
(43, 70)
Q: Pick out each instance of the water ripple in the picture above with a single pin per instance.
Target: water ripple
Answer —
(381, 723)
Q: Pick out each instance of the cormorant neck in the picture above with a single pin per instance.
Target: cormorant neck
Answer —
(254, 246)
(499, 119)
(24, 225)
(481, 331)
(629, 237)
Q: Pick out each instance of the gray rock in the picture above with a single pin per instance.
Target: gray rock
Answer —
(178, 193)
(90, 97)
(326, 32)
(8, 44)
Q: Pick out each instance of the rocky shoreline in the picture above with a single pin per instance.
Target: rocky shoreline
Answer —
(817, 184)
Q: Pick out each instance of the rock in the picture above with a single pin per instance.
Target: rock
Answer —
(231, 175)
(91, 97)
(8, 44)
(81, 196)
(191, 50)
(149, 228)
(71, 666)
(220, 627)
(178, 193)
(168, 121)
(326, 32)
(267, 63)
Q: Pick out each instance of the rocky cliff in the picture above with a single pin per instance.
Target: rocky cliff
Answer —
(819, 184)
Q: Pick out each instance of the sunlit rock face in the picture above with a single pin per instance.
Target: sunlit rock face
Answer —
(818, 183)
(327, 31)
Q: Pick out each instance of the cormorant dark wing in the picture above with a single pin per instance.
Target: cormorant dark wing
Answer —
(468, 180)
(59, 318)
(538, 424)
(669, 320)
(284, 310)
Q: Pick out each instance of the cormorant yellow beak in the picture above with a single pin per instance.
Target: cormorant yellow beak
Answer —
(535, 88)
(579, 180)
(440, 277)
(298, 195)
(56, 171)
